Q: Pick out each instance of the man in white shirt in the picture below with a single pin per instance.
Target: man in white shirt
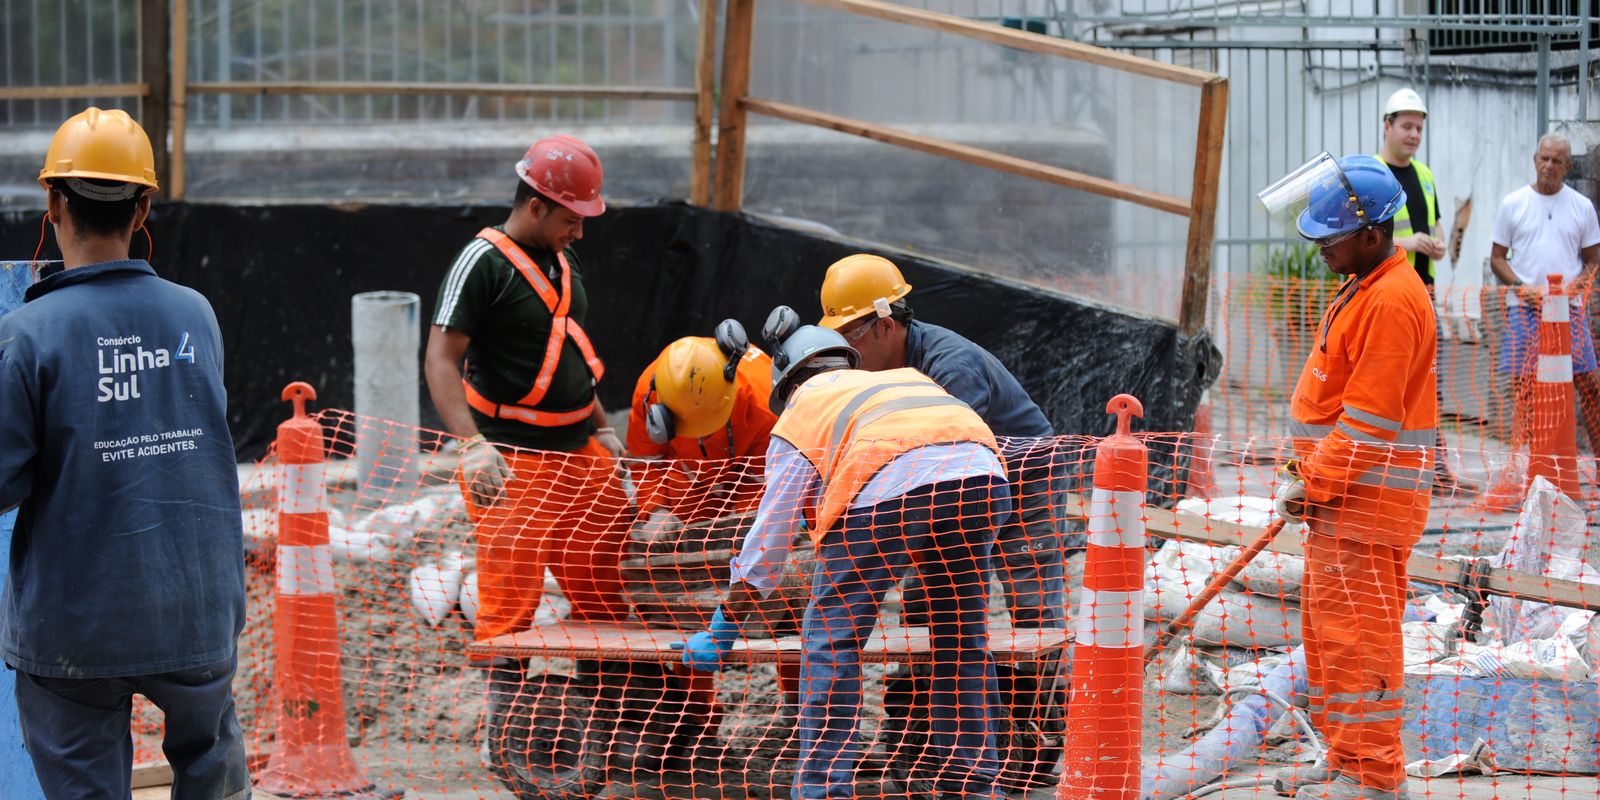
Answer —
(1543, 229)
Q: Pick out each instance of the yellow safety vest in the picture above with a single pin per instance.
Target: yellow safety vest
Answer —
(1402, 220)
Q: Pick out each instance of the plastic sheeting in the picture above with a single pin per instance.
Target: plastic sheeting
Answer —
(280, 278)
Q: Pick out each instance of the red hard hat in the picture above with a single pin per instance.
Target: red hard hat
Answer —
(565, 170)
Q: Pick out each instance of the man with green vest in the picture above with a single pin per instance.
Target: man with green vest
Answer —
(1417, 223)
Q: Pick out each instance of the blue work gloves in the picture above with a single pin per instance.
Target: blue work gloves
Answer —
(703, 651)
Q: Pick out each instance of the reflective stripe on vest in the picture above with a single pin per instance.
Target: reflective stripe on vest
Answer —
(562, 328)
(1402, 219)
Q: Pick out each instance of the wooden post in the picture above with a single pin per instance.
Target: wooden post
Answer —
(155, 71)
(704, 95)
(1203, 205)
(180, 95)
(729, 193)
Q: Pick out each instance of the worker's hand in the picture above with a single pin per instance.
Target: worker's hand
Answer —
(607, 437)
(660, 526)
(1433, 247)
(485, 470)
(704, 650)
(1532, 295)
(1290, 499)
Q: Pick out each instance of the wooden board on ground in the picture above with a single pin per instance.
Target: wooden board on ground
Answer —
(155, 774)
(633, 642)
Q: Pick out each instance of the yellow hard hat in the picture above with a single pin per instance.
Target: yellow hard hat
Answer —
(103, 144)
(692, 383)
(858, 285)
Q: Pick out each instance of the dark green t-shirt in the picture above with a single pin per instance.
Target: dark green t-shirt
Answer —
(484, 296)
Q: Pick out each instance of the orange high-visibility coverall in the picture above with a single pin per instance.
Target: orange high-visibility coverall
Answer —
(1363, 418)
(728, 478)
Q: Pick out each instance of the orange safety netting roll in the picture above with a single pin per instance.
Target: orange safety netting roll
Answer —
(1495, 634)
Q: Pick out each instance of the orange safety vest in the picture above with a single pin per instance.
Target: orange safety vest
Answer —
(851, 423)
(1364, 412)
(561, 327)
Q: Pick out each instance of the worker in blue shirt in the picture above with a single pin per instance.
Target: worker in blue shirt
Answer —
(127, 562)
(864, 299)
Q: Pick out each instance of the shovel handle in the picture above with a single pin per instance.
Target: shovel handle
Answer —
(1186, 619)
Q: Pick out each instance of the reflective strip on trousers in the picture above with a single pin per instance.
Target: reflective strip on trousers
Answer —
(1110, 619)
(1305, 430)
(1364, 718)
(305, 571)
(1555, 309)
(1555, 369)
(1374, 696)
(301, 489)
(1116, 519)
(1403, 478)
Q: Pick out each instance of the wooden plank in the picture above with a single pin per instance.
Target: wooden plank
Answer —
(157, 773)
(634, 642)
(677, 560)
(704, 105)
(728, 193)
(431, 89)
(1169, 524)
(179, 115)
(74, 92)
(1010, 37)
(970, 155)
(1203, 205)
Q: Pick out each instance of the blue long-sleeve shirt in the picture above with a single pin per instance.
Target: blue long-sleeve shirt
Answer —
(975, 377)
(128, 553)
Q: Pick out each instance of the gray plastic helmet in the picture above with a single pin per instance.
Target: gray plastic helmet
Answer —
(802, 349)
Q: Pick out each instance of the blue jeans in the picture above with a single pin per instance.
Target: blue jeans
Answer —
(947, 531)
(76, 731)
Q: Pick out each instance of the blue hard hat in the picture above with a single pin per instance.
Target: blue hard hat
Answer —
(1331, 212)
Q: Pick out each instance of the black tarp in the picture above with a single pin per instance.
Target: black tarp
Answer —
(281, 278)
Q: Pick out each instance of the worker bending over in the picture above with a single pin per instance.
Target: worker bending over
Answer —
(701, 410)
(1363, 418)
(885, 470)
(864, 299)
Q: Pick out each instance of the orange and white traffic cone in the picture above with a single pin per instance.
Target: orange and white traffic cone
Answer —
(311, 756)
(1553, 435)
(1105, 715)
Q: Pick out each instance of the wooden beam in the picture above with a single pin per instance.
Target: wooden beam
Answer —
(1010, 37)
(442, 89)
(179, 117)
(728, 194)
(970, 155)
(158, 773)
(74, 92)
(705, 77)
(1169, 524)
(1203, 204)
(155, 70)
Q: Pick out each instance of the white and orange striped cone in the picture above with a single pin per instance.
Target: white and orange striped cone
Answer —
(311, 756)
(1553, 436)
(1105, 716)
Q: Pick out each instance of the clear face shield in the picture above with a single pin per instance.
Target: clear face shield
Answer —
(1336, 215)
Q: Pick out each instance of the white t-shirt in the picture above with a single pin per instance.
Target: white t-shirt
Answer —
(1546, 234)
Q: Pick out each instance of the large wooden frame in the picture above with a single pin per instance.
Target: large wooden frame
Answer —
(1200, 208)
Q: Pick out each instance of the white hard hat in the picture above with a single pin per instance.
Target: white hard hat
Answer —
(1403, 100)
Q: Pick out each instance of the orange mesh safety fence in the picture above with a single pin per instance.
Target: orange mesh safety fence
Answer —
(529, 648)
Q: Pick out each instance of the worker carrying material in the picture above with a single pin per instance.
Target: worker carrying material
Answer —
(1363, 418)
(126, 571)
(538, 462)
(701, 409)
(864, 298)
(886, 471)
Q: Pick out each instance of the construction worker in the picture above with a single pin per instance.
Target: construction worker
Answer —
(127, 562)
(538, 462)
(864, 298)
(1363, 418)
(886, 471)
(703, 399)
(1416, 226)
(1545, 228)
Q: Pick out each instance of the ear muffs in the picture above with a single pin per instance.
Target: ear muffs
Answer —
(733, 342)
(657, 419)
(780, 323)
